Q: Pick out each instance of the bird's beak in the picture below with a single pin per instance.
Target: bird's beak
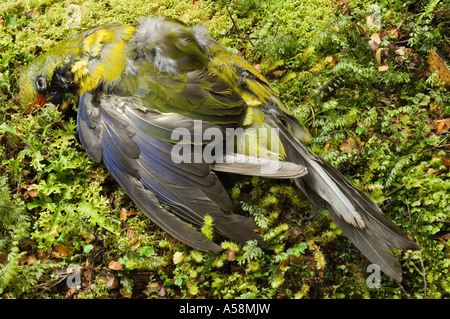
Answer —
(40, 100)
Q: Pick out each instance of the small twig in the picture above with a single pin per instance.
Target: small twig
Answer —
(232, 20)
(313, 115)
(403, 289)
(409, 211)
(423, 274)
(276, 31)
(398, 27)
(396, 190)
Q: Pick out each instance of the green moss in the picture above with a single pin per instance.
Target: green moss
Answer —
(58, 208)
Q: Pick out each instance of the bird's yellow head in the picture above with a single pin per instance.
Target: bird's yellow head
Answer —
(76, 65)
(46, 79)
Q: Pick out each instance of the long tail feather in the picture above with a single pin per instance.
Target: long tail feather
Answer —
(359, 218)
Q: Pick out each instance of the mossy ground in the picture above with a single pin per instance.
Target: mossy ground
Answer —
(356, 72)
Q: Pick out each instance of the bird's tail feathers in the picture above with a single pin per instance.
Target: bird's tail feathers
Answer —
(359, 218)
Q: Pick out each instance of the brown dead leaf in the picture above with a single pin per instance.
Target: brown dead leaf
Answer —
(30, 190)
(284, 264)
(277, 73)
(348, 144)
(435, 106)
(31, 259)
(70, 292)
(334, 60)
(442, 125)
(195, 4)
(438, 65)
(393, 32)
(115, 265)
(125, 293)
(383, 68)
(341, 2)
(231, 255)
(401, 51)
(87, 274)
(124, 213)
(109, 280)
(445, 159)
(60, 251)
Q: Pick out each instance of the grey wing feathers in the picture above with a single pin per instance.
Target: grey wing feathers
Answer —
(141, 164)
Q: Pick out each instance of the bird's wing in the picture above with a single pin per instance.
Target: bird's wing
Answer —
(116, 131)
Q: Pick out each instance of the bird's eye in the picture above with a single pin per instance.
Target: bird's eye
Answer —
(41, 84)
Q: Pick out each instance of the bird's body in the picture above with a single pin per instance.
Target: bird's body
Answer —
(140, 84)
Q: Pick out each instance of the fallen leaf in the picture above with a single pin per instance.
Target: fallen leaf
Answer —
(435, 106)
(277, 73)
(30, 190)
(438, 65)
(31, 259)
(348, 144)
(195, 4)
(87, 274)
(178, 257)
(61, 251)
(445, 160)
(124, 213)
(341, 2)
(115, 265)
(125, 293)
(231, 255)
(383, 68)
(400, 51)
(70, 292)
(284, 264)
(393, 32)
(162, 292)
(328, 146)
(379, 53)
(109, 280)
(442, 125)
